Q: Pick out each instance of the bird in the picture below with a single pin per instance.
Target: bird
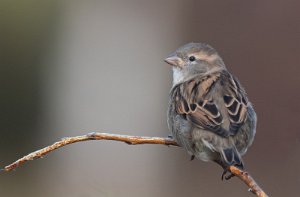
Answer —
(209, 113)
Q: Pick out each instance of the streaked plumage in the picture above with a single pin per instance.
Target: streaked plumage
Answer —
(209, 113)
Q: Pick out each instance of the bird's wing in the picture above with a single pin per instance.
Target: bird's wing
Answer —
(191, 102)
(236, 102)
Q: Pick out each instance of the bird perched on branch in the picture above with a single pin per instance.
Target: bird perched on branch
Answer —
(209, 113)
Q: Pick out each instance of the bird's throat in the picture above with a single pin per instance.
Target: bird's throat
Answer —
(178, 76)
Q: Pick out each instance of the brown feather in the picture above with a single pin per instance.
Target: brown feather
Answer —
(192, 102)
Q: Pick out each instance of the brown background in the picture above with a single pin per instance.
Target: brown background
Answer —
(72, 67)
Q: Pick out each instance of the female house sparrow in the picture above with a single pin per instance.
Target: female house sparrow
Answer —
(209, 113)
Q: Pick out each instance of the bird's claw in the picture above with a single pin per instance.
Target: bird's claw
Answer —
(226, 177)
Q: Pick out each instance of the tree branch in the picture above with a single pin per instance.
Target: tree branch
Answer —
(131, 140)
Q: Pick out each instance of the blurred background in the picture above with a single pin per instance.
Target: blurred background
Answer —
(72, 67)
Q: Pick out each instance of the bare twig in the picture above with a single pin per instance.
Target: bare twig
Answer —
(248, 180)
(131, 140)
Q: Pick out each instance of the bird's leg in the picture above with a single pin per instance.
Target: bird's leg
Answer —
(226, 170)
(192, 157)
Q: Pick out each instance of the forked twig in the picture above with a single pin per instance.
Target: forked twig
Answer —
(132, 140)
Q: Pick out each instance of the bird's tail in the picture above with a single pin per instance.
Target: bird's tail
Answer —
(230, 157)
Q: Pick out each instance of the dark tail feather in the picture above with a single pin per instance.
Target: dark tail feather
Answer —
(230, 157)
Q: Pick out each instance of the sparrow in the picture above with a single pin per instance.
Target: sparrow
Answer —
(209, 114)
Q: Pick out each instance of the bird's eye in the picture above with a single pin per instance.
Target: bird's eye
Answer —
(192, 58)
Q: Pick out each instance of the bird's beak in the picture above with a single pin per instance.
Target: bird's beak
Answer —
(174, 60)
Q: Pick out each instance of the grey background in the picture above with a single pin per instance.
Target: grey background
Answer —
(72, 67)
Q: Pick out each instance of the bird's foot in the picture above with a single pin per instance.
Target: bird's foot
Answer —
(227, 177)
(170, 136)
(192, 157)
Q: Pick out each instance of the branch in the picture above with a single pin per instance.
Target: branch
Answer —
(248, 180)
(131, 140)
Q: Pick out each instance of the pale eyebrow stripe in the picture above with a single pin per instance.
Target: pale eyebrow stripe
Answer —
(203, 56)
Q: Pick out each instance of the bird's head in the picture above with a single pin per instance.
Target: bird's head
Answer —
(194, 59)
